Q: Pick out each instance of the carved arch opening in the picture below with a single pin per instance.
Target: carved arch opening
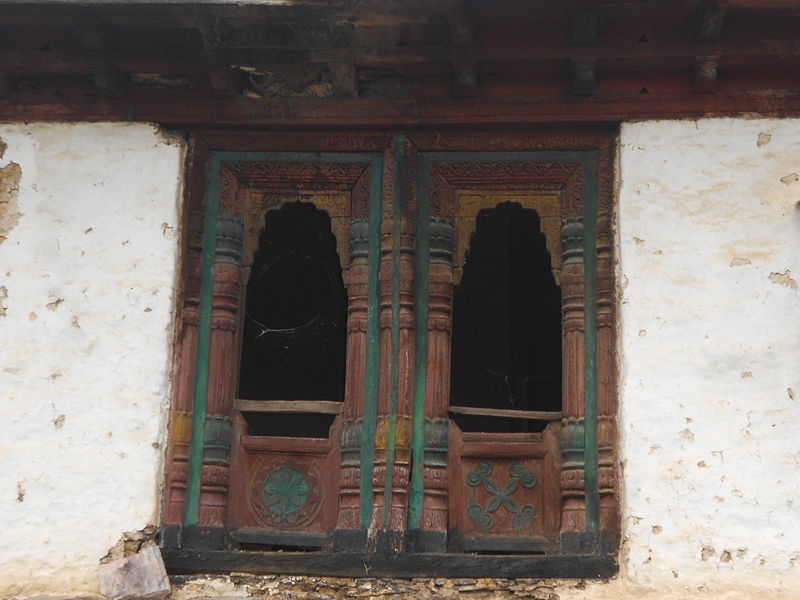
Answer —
(506, 340)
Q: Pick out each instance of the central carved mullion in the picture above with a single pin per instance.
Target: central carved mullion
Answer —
(391, 467)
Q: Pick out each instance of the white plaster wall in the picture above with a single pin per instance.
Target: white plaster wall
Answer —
(85, 360)
(709, 248)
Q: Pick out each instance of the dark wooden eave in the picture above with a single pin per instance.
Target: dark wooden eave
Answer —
(391, 63)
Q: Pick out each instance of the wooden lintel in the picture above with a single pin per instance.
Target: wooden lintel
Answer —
(705, 73)
(179, 111)
(538, 415)
(583, 77)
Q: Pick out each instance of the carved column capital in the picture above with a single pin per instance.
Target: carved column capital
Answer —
(230, 234)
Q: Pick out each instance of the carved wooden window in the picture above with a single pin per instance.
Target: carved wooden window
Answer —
(393, 346)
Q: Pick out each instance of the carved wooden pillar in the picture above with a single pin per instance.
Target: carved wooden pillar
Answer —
(356, 280)
(401, 469)
(395, 394)
(382, 425)
(437, 383)
(222, 372)
(573, 497)
(181, 425)
(606, 380)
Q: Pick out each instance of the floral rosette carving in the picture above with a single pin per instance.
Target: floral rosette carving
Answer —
(285, 494)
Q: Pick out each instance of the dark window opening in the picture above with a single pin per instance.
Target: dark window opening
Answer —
(506, 343)
(289, 425)
(295, 320)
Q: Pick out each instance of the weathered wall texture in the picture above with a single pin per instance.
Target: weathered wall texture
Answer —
(709, 247)
(709, 238)
(89, 214)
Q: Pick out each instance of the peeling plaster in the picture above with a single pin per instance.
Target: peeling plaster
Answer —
(93, 362)
(784, 279)
(9, 190)
(722, 348)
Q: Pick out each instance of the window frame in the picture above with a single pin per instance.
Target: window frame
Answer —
(586, 548)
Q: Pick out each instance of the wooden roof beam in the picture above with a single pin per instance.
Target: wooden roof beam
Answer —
(223, 78)
(710, 18)
(344, 77)
(465, 72)
(705, 73)
(189, 59)
(584, 77)
(584, 26)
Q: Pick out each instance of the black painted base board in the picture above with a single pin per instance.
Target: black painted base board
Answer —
(401, 566)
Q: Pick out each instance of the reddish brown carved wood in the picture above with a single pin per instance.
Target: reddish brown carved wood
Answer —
(437, 392)
(338, 473)
(504, 491)
(606, 378)
(180, 427)
(186, 342)
(572, 433)
(273, 476)
(356, 280)
(223, 367)
(333, 477)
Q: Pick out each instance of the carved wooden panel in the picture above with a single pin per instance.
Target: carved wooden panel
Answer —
(504, 491)
(284, 485)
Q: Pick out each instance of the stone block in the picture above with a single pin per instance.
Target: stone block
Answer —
(138, 577)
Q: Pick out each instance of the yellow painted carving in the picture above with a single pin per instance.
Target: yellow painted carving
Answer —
(547, 206)
(181, 427)
(258, 203)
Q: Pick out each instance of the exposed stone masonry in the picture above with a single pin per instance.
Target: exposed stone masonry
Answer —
(247, 587)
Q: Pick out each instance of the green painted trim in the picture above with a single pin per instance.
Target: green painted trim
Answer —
(375, 162)
(191, 507)
(372, 375)
(589, 160)
(421, 275)
(398, 156)
(591, 466)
